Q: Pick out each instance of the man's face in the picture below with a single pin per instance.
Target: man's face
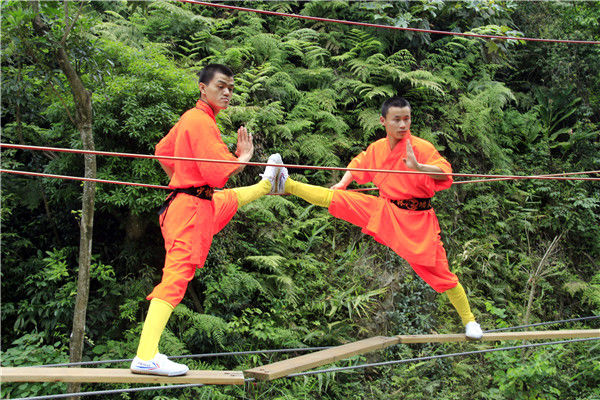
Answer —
(396, 122)
(217, 93)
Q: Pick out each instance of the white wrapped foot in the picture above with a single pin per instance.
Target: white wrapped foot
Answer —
(159, 365)
(473, 330)
(283, 175)
(271, 172)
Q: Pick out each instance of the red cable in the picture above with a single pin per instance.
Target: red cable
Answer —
(340, 21)
(132, 155)
(77, 178)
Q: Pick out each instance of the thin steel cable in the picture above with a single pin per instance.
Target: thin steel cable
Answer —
(543, 323)
(339, 21)
(360, 366)
(205, 355)
(115, 391)
(297, 166)
(299, 349)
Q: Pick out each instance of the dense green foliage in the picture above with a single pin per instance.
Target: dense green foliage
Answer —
(282, 273)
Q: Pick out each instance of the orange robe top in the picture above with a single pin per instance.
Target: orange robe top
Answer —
(196, 135)
(414, 235)
(401, 186)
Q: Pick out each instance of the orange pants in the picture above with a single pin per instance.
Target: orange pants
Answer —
(396, 228)
(188, 226)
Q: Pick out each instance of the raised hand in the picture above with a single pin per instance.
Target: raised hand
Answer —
(245, 146)
(411, 161)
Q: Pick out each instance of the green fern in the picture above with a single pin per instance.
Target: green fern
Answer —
(369, 121)
(483, 110)
(201, 327)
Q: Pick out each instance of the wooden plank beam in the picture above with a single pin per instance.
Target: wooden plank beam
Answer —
(270, 371)
(312, 360)
(115, 375)
(497, 336)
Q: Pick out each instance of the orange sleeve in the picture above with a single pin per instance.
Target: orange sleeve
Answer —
(204, 138)
(435, 158)
(166, 147)
(361, 161)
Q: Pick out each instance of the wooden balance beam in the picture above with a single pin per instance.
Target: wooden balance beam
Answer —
(500, 336)
(115, 375)
(270, 371)
(312, 360)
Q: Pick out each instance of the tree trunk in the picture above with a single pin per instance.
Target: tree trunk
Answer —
(83, 120)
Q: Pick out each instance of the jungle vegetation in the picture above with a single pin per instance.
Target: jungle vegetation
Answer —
(283, 273)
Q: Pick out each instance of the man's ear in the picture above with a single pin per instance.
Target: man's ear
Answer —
(382, 120)
(202, 87)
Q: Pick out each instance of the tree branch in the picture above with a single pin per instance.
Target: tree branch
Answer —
(62, 102)
(70, 27)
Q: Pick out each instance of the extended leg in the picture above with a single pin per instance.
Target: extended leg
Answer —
(316, 195)
(158, 315)
(458, 298)
(442, 280)
(247, 194)
(148, 360)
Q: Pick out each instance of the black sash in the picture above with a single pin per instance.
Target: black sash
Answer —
(413, 204)
(202, 192)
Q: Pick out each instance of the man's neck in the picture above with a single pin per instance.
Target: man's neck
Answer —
(215, 112)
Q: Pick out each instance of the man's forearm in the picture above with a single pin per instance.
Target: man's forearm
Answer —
(242, 158)
(432, 168)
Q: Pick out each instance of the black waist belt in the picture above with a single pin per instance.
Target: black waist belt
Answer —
(413, 204)
(202, 192)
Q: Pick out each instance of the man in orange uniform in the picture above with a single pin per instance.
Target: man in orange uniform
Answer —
(401, 217)
(193, 212)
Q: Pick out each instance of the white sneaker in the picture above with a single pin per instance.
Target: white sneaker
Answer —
(283, 175)
(272, 173)
(473, 330)
(159, 365)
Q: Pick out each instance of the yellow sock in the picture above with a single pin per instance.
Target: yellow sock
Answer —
(247, 194)
(154, 325)
(459, 300)
(316, 195)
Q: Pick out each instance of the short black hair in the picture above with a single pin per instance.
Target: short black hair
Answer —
(208, 72)
(399, 102)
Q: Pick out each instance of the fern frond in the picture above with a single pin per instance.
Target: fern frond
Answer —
(201, 326)
(368, 119)
(315, 55)
(299, 126)
(303, 35)
(402, 59)
(329, 122)
(369, 91)
(175, 10)
(270, 263)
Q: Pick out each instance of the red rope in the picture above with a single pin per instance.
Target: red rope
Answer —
(298, 166)
(340, 21)
(77, 178)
